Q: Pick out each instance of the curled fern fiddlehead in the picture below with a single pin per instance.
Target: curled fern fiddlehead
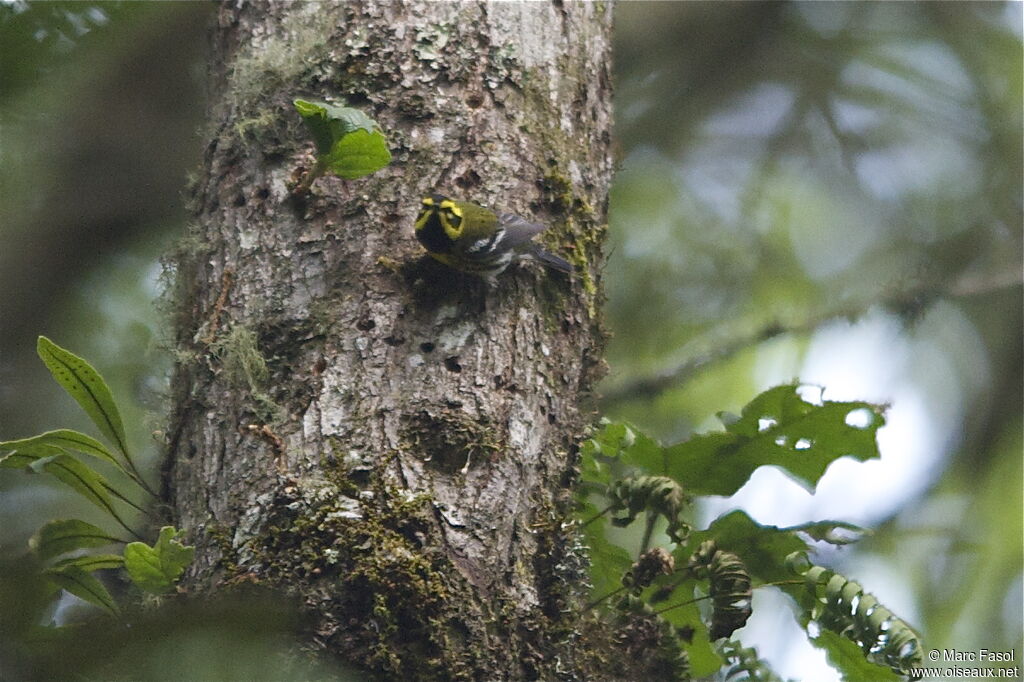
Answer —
(653, 494)
(730, 588)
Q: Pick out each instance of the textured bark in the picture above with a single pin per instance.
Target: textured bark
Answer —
(389, 440)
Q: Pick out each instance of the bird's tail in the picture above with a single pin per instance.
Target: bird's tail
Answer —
(550, 260)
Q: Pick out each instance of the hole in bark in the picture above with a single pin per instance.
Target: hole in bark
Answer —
(239, 200)
(468, 180)
(475, 101)
(551, 419)
(365, 325)
(263, 193)
(452, 364)
(319, 366)
(427, 347)
(394, 340)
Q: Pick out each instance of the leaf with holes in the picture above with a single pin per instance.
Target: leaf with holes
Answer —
(763, 549)
(833, 532)
(67, 535)
(87, 387)
(777, 428)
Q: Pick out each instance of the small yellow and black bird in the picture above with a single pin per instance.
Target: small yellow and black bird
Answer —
(475, 239)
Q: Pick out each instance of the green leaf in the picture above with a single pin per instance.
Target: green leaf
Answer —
(156, 568)
(846, 657)
(704, 659)
(66, 535)
(828, 531)
(644, 452)
(80, 478)
(86, 386)
(328, 123)
(27, 456)
(349, 143)
(65, 439)
(83, 585)
(610, 440)
(357, 154)
(92, 562)
(762, 549)
(608, 561)
(777, 428)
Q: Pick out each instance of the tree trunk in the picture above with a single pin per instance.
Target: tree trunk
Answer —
(391, 441)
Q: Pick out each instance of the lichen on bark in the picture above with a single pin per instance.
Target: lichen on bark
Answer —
(413, 487)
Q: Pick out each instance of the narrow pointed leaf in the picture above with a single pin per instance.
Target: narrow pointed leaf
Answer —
(65, 439)
(155, 569)
(778, 428)
(67, 535)
(83, 585)
(27, 456)
(87, 387)
(82, 479)
(92, 562)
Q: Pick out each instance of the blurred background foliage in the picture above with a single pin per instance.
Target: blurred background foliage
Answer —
(822, 191)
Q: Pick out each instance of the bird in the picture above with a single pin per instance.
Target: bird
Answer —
(475, 239)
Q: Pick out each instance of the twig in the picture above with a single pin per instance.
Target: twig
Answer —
(651, 386)
(218, 307)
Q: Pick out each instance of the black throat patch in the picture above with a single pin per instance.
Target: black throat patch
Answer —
(433, 236)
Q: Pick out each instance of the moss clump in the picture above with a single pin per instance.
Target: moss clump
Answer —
(583, 234)
(240, 358)
(385, 594)
(221, 536)
(451, 440)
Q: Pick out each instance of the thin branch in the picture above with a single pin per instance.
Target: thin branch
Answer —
(682, 603)
(601, 599)
(596, 516)
(649, 387)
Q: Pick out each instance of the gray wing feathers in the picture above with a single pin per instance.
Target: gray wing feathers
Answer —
(517, 230)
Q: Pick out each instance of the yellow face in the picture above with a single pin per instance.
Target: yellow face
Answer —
(446, 210)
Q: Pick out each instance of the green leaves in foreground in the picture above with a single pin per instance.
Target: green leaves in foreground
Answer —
(349, 143)
(628, 476)
(852, 622)
(64, 545)
(67, 535)
(778, 428)
(155, 569)
(86, 386)
(83, 585)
